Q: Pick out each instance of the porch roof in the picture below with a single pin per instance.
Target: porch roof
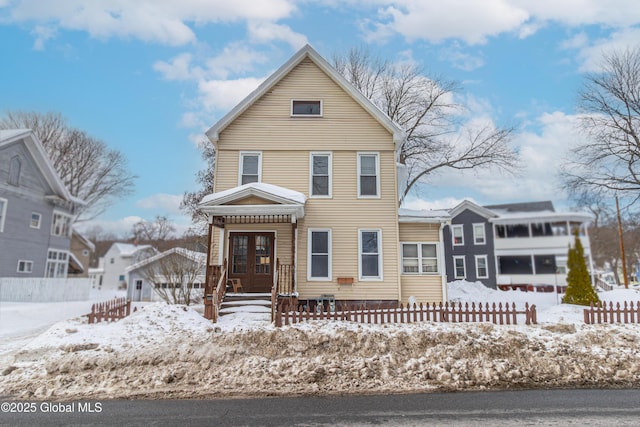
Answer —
(283, 201)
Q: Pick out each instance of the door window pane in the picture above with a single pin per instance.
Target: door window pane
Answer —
(239, 255)
(263, 254)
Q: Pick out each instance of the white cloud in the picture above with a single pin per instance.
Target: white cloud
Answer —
(222, 95)
(235, 58)
(590, 55)
(265, 32)
(163, 203)
(178, 68)
(42, 33)
(161, 21)
(120, 227)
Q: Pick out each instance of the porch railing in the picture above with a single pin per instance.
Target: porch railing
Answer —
(215, 290)
(285, 281)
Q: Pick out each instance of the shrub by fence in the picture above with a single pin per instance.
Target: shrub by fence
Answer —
(110, 311)
(600, 313)
(442, 312)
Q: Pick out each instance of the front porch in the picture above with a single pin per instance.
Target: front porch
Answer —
(252, 243)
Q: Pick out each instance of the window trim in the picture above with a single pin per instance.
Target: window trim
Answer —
(56, 262)
(329, 154)
(380, 276)
(291, 114)
(486, 266)
(376, 154)
(420, 258)
(53, 223)
(3, 213)
(475, 235)
(310, 256)
(453, 234)
(37, 227)
(241, 163)
(464, 267)
(15, 170)
(26, 262)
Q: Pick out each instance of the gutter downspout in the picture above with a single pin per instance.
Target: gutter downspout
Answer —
(443, 273)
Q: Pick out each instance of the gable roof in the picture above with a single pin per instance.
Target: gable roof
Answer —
(307, 52)
(543, 206)
(41, 159)
(128, 249)
(197, 257)
(469, 205)
(83, 239)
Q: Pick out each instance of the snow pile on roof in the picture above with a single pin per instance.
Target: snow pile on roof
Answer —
(258, 187)
(128, 249)
(441, 215)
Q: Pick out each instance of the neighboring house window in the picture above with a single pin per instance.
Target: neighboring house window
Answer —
(14, 171)
(35, 220)
(515, 264)
(57, 262)
(368, 175)
(458, 234)
(319, 254)
(545, 264)
(419, 258)
(61, 225)
(482, 270)
(112, 260)
(25, 266)
(320, 171)
(85, 252)
(459, 267)
(138, 284)
(479, 237)
(250, 168)
(3, 213)
(370, 248)
(311, 108)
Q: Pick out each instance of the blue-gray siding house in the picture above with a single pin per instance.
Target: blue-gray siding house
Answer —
(36, 210)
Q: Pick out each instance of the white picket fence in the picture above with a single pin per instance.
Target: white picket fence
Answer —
(44, 290)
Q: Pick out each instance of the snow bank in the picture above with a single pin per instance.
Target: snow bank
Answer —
(171, 351)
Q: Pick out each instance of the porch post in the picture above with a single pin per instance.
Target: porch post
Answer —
(294, 241)
(208, 287)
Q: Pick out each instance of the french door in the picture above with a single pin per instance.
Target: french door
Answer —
(251, 260)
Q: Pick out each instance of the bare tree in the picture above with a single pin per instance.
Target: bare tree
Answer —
(609, 102)
(174, 273)
(153, 232)
(191, 200)
(90, 169)
(425, 108)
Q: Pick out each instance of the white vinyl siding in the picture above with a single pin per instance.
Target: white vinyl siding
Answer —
(319, 260)
(368, 175)
(420, 258)
(459, 267)
(370, 254)
(457, 234)
(479, 235)
(320, 181)
(482, 267)
(3, 213)
(250, 168)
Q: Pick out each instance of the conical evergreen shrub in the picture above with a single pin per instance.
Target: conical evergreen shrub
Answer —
(579, 289)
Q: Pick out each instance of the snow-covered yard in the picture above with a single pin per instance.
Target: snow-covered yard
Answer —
(172, 351)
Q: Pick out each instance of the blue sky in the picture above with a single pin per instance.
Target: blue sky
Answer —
(149, 77)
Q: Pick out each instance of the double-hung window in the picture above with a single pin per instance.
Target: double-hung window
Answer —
(3, 213)
(460, 271)
(479, 237)
(457, 234)
(370, 249)
(57, 262)
(250, 167)
(25, 266)
(368, 175)
(61, 224)
(319, 254)
(35, 220)
(419, 258)
(482, 269)
(320, 175)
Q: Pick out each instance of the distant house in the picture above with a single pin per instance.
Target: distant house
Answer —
(36, 210)
(512, 245)
(81, 250)
(111, 273)
(177, 267)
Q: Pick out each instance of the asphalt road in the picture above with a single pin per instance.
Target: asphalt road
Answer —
(534, 407)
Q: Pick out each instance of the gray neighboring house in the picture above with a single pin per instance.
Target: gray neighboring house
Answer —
(36, 210)
(513, 245)
(469, 245)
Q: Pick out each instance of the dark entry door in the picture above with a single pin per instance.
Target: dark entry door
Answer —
(251, 260)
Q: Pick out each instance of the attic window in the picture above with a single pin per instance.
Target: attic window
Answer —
(306, 108)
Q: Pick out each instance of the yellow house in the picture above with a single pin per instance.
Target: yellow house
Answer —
(306, 196)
